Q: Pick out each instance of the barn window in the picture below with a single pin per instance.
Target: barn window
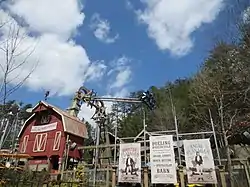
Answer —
(24, 144)
(43, 117)
(40, 142)
(57, 141)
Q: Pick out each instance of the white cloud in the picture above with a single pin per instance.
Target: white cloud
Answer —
(96, 70)
(50, 16)
(63, 66)
(171, 23)
(66, 66)
(123, 72)
(129, 5)
(122, 78)
(86, 112)
(246, 15)
(102, 29)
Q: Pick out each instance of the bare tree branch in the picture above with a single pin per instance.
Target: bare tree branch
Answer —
(231, 122)
(15, 59)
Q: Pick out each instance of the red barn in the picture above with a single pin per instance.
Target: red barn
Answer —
(45, 134)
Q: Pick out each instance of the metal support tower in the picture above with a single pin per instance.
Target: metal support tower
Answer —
(84, 95)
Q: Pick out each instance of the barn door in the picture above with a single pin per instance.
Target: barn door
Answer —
(24, 144)
(40, 142)
(57, 141)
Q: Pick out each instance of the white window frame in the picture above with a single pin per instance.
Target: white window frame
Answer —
(24, 144)
(40, 142)
(57, 141)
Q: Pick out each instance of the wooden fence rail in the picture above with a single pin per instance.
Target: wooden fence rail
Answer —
(11, 178)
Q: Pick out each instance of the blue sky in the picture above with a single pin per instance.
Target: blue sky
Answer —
(123, 46)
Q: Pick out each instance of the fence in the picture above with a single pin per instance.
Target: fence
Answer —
(240, 178)
(240, 173)
(104, 177)
(13, 178)
(43, 184)
(9, 178)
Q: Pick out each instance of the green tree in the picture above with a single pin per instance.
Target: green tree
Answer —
(88, 153)
(222, 86)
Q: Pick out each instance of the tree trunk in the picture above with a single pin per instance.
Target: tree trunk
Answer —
(229, 162)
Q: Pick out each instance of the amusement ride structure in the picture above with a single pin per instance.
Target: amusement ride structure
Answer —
(84, 95)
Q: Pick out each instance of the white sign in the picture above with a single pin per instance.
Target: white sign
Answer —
(162, 160)
(199, 161)
(130, 163)
(44, 128)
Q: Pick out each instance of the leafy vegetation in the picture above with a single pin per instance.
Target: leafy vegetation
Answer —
(88, 153)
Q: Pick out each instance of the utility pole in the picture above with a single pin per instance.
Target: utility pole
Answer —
(144, 136)
(96, 152)
(14, 133)
(15, 112)
(176, 127)
(116, 126)
(6, 123)
(2, 123)
(215, 138)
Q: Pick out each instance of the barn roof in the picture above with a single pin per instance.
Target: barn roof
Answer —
(71, 124)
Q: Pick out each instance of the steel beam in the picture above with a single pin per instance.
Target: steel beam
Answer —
(195, 133)
(115, 99)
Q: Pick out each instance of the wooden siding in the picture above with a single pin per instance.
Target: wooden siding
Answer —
(35, 138)
(49, 140)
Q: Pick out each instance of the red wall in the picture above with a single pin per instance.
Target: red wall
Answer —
(50, 138)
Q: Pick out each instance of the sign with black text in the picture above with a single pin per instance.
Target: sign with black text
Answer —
(162, 160)
(199, 161)
(130, 163)
(44, 128)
